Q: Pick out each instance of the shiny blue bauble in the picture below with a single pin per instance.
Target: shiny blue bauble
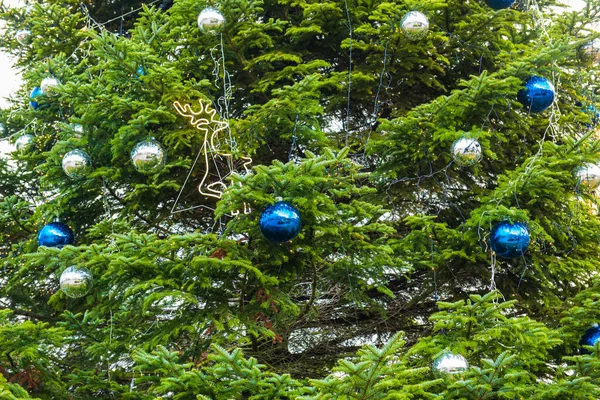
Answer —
(141, 71)
(55, 234)
(594, 113)
(538, 94)
(589, 338)
(499, 4)
(280, 222)
(36, 92)
(509, 240)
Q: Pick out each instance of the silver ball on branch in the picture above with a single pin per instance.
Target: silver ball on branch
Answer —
(449, 364)
(49, 85)
(148, 157)
(588, 176)
(24, 142)
(415, 25)
(22, 36)
(76, 282)
(592, 50)
(466, 151)
(76, 164)
(210, 20)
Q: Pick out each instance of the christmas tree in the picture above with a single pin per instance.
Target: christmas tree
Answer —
(259, 199)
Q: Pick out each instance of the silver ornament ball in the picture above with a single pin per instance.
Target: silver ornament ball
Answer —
(24, 142)
(22, 36)
(588, 176)
(76, 164)
(449, 364)
(210, 20)
(77, 130)
(592, 50)
(148, 157)
(76, 282)
(466, 151)
(49, 85)
(415, 25)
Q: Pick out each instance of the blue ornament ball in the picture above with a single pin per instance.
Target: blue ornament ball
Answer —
(499, 4)
(509, 240)
(55, 234)
(538, 94)
(36, 92)
(280, 222)
(589, 338)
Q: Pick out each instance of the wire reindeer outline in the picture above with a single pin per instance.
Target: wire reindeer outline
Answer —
(202, 120)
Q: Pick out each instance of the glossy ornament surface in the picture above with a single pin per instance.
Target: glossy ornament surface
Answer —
(148, 157)
(537, 95)
(24, 142)
(449, 364)
(49, 85)
(589, 338)
(76, 164)
(499, 4)
(36, 92)
(466, 151)
(415, 25)
(588, 176)
(280, 222)
(509, 240)
(210, 20)
(77, 130)
(55, 234)
(22, 36)
(76, 282)
(592, 50)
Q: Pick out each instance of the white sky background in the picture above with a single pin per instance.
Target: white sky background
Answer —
(11, 80)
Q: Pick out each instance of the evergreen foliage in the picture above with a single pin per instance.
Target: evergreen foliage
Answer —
(351, 123)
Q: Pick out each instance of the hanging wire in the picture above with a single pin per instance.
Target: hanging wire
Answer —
(293, 153)
(349, 73)
(492, 286)
(376, 105)
(121, 24)
(128, 13)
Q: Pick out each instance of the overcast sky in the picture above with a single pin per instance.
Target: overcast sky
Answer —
(10, 81)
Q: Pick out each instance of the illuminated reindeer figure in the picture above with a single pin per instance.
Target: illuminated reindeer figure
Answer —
(204, 119)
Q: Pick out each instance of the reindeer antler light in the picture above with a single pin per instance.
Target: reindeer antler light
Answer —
(206, 120)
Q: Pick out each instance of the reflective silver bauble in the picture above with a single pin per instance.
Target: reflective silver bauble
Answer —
(592, 50)
(415, 25)
(466, 151)
(49, 85)
(76, 282)
(76, 164)
(24, 142)
(449, 364)
(77, 130)
(210, 20)
(588, 176)
(22, 36)
(148, 157)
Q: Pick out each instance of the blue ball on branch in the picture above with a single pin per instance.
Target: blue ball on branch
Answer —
(36, 92)
(509, 240)
(55, 234)
(589, 338)
(537, 95)
(280, 222)
(499, 4)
